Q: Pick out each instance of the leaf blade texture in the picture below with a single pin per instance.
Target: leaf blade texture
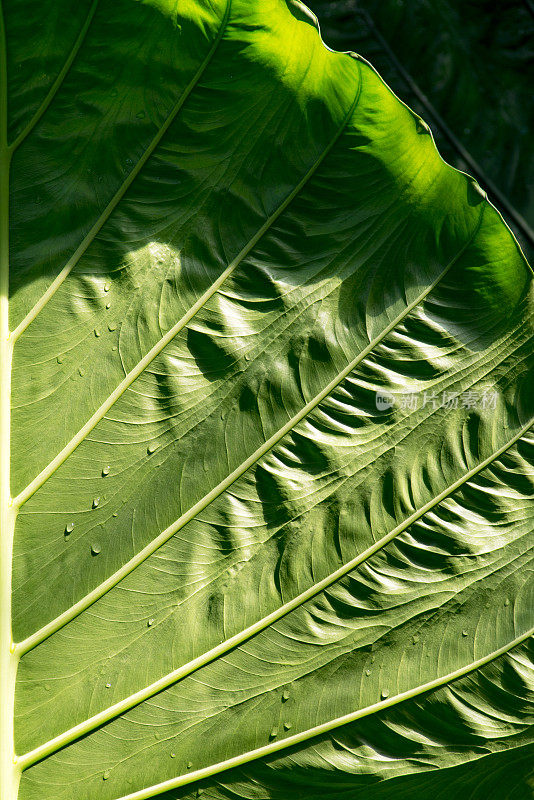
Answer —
(236, 570)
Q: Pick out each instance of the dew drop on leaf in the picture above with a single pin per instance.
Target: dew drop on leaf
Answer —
(150, 622)
(173, 755)
(106, 775)
(69, 527)
(273, 734)
(287, 726)
(189, 765)
(59, 359)
(464, 633)
(112, 326)
(384, 694)
(95, 549)
(96, 502)
(108, 306)
(367, 672)
(107, 287)
(97, 333)
(81, 371)
(105, 471)
(108, 685)
(151, 448)
(507, 602)
(285, 697)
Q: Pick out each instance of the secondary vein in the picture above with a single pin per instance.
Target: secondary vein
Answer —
(99, 591)
(58, 82)
(104, 216)
(30, 758)
(127, 381)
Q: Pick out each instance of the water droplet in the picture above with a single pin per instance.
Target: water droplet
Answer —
(59, 359)
(95, 549)
(81, 371)
(114, 347)
(506, 602)
(105, 471)
(69, 527)
(96, 502)
(152, 447)
(97, 333)
(415, 638)
(150, 622)
(173, 755)
(112, 326)
(106, 775)
(285, 697)
(273, 734)
(287, 726)
(247, 357)
(108, 685)
(189, 765)
(384, 693)
(107, 287)
(108, 305)
(115, 514)
(140, 115)
(464, 633)
(367, 672)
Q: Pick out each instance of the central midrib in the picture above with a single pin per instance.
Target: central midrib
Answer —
(9, 772)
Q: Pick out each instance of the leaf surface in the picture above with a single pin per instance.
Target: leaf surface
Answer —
(227, 243)
(466, 68)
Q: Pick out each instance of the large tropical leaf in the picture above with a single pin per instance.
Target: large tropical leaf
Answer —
(270, 371)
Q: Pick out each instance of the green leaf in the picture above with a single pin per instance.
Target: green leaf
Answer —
(265, 420)
(466, 68)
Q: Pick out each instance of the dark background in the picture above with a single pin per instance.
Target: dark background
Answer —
(467, 68)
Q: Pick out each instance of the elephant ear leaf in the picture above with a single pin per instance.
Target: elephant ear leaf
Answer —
(265, 423)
